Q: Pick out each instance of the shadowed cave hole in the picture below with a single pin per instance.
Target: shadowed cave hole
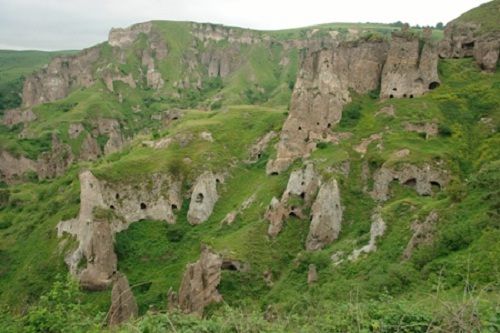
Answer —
(112, 207)
(174, 206)
(117, 196)
(436, 186)
(468, 46)
(303, 195)
(199, 198)
(412, 182)
(391, 96)
(143, 206)
(411, 96)
(433, 85)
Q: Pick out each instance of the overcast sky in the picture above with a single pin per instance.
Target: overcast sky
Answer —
(75, 24)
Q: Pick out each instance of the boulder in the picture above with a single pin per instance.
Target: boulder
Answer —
(199, 283)
(101, 258)
(326, 217)
(18, 116)
(203, 198)
(123, 304)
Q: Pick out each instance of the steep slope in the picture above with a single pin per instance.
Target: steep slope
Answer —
(374, 208)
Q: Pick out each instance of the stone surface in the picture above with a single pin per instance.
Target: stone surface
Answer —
(101, 258)
(363, 146)
(312, 274)
(321, 91)
(423, 234)
(74, 130)
(409, 72)
(377, 230)
(421, 177)
(326, 217)
(12, 167)
(56, 161)
(199, 283)
(258, 148)
(123, 304)
(203, 198)
(119, 37)
(17, 116)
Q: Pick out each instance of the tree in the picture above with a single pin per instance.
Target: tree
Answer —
(440, 26)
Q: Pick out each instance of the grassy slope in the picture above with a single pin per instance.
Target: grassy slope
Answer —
(487, 15)
(153, 254)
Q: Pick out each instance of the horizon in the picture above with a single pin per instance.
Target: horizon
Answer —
(28, 25)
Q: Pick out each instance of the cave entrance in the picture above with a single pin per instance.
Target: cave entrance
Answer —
(468, 46)
(436, 186)
(433, 85)
(199, 198)
(412, 182)
(143, 206)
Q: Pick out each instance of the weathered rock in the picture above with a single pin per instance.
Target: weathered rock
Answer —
(326, 217)
(199, 283)
(377, 230)
(321, 91)
(258, 148)
(429, 129)
(56, 161)
(422, 178)
(17, 116)
(207, 136)
(90, 150)
(119, 37)
(110, 128)
(303, 184)
(423, 234)
(74, 130)
(465, 39)
(101, 258)
(231, 216)
(128, 202)
(12, 168)
(123, 304)
(312, 274)
(203, 198)
(61, 76)
(363, 146)
(407, 71)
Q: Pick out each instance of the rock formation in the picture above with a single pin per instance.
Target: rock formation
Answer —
(422, 178)
(122, 205)
(409, 72)
(377, 230)
(56, 161)
(123, 304)
(203, 198)
(312, 274)
(60, 77)
(258, 148)
(465, 39)
(231, 216)
(199, 283)
(121, 38)
(326, 217)
(18, 116)
(303, 185)
(428, 129)
(321, 91)
(423, 234)
(101, 258)
(12, 168)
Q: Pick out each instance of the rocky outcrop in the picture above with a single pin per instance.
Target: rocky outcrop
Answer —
(119, 205)
(74, 130)
(123, 304)
(428, 129)
(61, 76)
(377, 230)
(12, 168)
(111, 129)
(312, 274)
(363, 146)
(465, 39)
(423, 234)
(326, 217)
(321, 91)
(422, 178)
(258, 148)
(89, 150)
(123, 37)
(203, 198)
(101, 258)
(17, 116)
(56, 161)
(409, 72)
(302, 185)
(199, 283)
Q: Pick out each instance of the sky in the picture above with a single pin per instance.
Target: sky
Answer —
(76, 24)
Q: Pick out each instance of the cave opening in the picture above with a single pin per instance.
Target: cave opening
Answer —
(468, 46)
(391, 96)
(433, 85)
(412, 182)
(199, 198)
(143, 206)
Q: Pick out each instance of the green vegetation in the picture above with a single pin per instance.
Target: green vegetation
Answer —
(15, 66)
(449, 284)
(486, 15)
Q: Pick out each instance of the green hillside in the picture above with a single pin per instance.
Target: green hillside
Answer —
(450, 283)
(14, 66)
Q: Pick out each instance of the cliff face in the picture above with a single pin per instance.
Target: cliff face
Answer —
(465, 39)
